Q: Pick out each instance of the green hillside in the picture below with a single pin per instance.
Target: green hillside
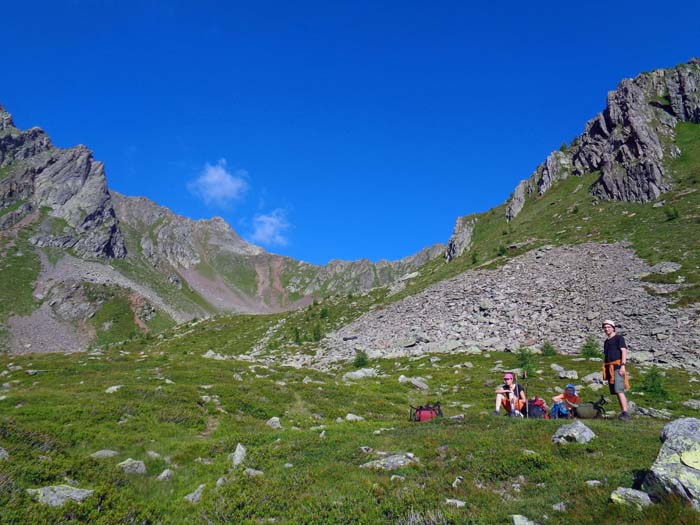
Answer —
(568, 214)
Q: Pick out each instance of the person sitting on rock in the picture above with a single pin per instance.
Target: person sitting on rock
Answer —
(510, 396)
(565, 403)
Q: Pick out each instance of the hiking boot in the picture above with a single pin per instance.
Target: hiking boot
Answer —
(495, 413)
(513, 413)
(624, 416)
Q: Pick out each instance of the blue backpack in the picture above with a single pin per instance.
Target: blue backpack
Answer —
(559, 410)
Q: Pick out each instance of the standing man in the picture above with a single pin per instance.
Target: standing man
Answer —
(614, 370)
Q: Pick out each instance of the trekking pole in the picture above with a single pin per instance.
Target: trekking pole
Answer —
(527, 415)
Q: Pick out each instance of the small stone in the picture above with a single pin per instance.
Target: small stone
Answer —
(113, 389)
(106, 453)
(132, 466)
(238, 456)
(398, 478)
(457, 482)
(594, 483)
(195, 496)
(252, 473)
(353, 417)
(3, 454)
(455, 502)
(559, 507)
(166, 475)
(152, 454)
(274, 422)
(367, 450)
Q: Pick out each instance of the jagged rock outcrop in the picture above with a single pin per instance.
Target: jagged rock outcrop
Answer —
(629, 142)
(67, 188)
(461, 237)
(558, 294)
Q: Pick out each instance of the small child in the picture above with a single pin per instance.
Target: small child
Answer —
(565, 403)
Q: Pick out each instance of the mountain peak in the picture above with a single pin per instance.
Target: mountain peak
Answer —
(5, 119)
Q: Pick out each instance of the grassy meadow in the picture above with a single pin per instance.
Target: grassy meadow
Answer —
(193, 412)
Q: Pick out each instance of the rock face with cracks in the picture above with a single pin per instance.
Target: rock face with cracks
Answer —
(628, 143)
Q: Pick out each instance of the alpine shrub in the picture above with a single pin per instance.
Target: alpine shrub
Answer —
(591, 348)
(548, 349)
(653, 384)
(526, 360)
(361, 359)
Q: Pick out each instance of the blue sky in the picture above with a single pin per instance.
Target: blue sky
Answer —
(325, 130)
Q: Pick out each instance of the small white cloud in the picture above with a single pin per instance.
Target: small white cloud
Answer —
(269, 228)
(217, 186)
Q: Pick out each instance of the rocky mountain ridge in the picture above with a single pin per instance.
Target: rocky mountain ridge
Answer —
(629, 143)
(107, 246)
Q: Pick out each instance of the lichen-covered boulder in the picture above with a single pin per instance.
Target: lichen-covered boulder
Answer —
(677, 467)
(625, 496)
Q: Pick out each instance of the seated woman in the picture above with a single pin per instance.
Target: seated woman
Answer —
(510, 396)
(565, 403)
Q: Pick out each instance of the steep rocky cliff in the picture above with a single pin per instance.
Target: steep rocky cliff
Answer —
(629, 143)
(65, 188)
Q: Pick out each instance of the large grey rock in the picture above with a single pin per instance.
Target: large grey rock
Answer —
(676, 470)
(573, 432)
(132, 466)
(57, 495)
(392, 462)
(625, 496)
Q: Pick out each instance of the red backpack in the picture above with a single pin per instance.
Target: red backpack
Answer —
(425, 412)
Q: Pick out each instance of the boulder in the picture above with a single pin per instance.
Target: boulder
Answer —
(625, 496)
(57, 495)
(676, 470)
(392, 462)
(575, 431)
